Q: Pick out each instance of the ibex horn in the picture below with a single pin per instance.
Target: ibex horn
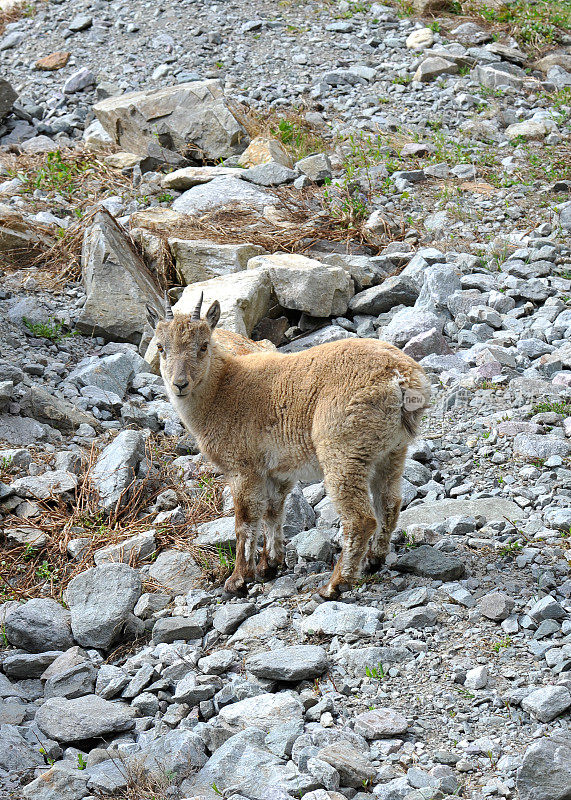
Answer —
(196, 312)
(168, 309)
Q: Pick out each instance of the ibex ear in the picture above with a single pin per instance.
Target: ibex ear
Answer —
(213, 315)
(152, 317)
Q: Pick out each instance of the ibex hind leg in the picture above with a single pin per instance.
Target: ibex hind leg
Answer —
(273, 551)
(347, 484)
(250, 506)
(386, 494)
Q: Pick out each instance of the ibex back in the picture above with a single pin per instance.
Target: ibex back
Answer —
(345, 411)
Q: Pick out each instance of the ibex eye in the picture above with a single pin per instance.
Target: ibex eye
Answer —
(204, 347)
(160, 348)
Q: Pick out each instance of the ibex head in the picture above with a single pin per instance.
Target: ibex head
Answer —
(184, 343)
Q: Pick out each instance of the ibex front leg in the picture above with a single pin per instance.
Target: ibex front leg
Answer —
(249, 505)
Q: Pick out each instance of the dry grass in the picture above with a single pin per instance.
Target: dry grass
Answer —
(299, 137)
(12, 14)
(27, 572)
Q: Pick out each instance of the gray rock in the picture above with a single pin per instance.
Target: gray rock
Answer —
(175, 570)
(78, 81)
(499, 74)
(440, 510)
(39, 625)
(545, 773)
(184, 120)
(28, 665)
(432, 67)
(7, 97)
(547, 608)
(496, 606)
(535, 446)
(261, 625)
(114, 470)
(174, 752)
(112, 374)
(129, 551)
(191, 691)
(83, 718)
(316, 167)
(415, 619)
(118, 284)
(270, 174)
(61, 782)
(313, 545)
(76, 681)
(394, 291)
(46, 486)
(382, 723)
(431, 563)
(244, 763)
(221, 192)
(229, 617)
(297, 663)
(547, 703)
(17, 754)
(337, 619)
(171, 629)
(408, 323)
(476, 678)
(353, 767)
(200, 259)
(265, 711)
(45, 407)
(101, 600)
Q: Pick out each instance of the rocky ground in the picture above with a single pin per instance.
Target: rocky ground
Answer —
(406, 177)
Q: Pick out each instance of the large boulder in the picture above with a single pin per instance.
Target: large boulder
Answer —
(83, 718)
(100, 600)
(304, 284)
(545, 773)
(190, 120)
(118, 284)
(200, 259)
(39, 625)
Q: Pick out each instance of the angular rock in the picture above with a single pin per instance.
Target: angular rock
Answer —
(176, 571)
(244, 763)
(496, 606)
(545, 773)
(337, 619)
(228, 617)
(190, 120)
(39, 625)
(440, 510)
(172, 629)
(547, 703)
(218, 533)
(129, 551)
(83, 718)
(262, 150)
(45, 407)
(53, 61)
(431, 563)
(296, 663)
(182, 179)
(432, 67)
(394, 291)
(46, 486)
(535, 446)
(382, 723)
(199, 259)
(354, 768)
(118, 284)
(264, 711)
(304, 284)
(114, 470)
(100, 600)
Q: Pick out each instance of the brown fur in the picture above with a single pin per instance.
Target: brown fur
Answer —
(346, 410)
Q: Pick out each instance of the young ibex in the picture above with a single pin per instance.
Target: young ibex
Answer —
(345, 411)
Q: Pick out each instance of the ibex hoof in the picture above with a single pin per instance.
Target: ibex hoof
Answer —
(266, 572)
(331, 591)
(236, 584)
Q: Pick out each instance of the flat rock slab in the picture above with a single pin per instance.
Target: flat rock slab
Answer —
(297, 663)
(83, 718)
(337, 619)
(431, 563)
(264, 711)
(380, 724)
(429, 513)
